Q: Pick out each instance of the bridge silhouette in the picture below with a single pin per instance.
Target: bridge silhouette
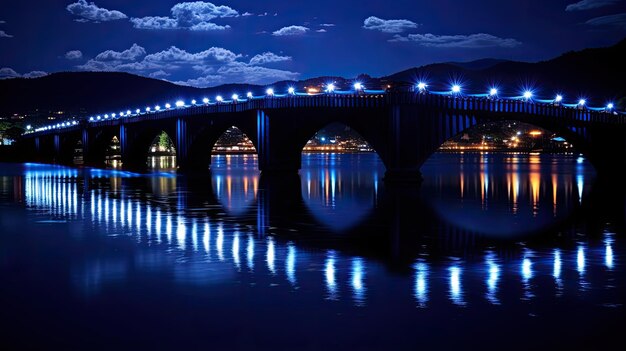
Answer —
(404, 127)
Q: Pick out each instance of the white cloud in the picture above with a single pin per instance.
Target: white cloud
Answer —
(321, 30)
(268, 57)
(6, 73)
(74, 55)
(240, 72)
(131, 54)
(3, 22)
(618, 20)
(91, 12)
(159, 74)
(35, 74)
(472, 41)
(291, 31)
(154, 22)
(388, 26)
(196, 16)
(262, 14)
(327, 25)
(3, 34)
(174, 54)
(246, 14)
(215, 65)
(589, 4)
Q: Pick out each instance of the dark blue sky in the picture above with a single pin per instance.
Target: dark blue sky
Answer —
(235, 41)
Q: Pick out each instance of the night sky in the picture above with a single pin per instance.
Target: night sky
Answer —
(235, 41)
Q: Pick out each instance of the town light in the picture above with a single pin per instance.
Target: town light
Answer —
(29, 127)
(421, 86)
(219, 98)
(291, 90)
(147, 109)
(235, 97)
(193, 102)
(113, 115)
(157, 107)
(205, 100)
(558, 98)
(269, 92)
(456, 88)
(180, 103)
(582, 102)
(493, 92)
(137, 111)
(330, 88)
(168, 106)
(358, 86)
(127, 112)
(249, 95)
(610, 106)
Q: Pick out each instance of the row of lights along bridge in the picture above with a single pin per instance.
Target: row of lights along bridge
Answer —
(358, 88)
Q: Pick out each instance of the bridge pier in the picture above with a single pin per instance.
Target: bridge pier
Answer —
(277, 148)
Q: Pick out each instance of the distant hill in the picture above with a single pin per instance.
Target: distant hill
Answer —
(598, 74)
(94, 92)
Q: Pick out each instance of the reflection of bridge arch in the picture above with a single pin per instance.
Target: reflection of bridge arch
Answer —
(404, 128)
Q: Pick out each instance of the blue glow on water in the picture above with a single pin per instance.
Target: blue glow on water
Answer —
(329, 274)
(270, 255)
(493, 276)
(235, 251)
(357, 281)
(250, 253)
(421, 284)
(290, 264)
(456, 288)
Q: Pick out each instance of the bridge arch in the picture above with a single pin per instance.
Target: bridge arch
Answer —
(204, 139)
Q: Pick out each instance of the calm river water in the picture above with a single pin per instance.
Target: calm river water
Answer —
(491, 251)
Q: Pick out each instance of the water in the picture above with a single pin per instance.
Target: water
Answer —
(491, 251)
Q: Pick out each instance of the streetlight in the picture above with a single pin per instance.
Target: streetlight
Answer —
(528, 94)
(205, 101)
(180, 103)
(493, 92)
(235, 97)
(330, 88)
(456, 89)
(249, 95)
(219, 98)
(270, 92)
(291, 91)
(168, 106)
(358, 86)
(421, 86)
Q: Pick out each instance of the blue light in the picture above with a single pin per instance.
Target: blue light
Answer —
(582, 102)
(558, 98)
(269, 92)
(456, 88)
(249, 95)
(168, 106)
(105, 117)
(421, 86)
(121, 113)
(358, 86)
(98, 118)
(219, 98)
(147, 109)
(113, 115)
(610, 106)
(91, 119)
(528, 94)
(330, 88)
(323, 139)
(193, 102)
(157, 107)
(235, 97)
(205, 100)
(493, 92)
(180, 103)
(137, 111)
(29, 127)
(291, 90)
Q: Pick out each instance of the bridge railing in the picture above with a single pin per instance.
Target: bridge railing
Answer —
(365, 100)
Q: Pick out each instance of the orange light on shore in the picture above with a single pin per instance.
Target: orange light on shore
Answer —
(313, 90)
(535, 133)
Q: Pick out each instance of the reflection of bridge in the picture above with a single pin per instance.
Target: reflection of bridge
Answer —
(217, 249)
(404, 129)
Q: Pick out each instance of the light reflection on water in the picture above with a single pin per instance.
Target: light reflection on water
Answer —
(209, 248)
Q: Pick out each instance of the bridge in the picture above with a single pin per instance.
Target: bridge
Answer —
(404, 127)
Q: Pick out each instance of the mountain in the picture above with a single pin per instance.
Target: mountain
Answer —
(95, 92)
(597, 74)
